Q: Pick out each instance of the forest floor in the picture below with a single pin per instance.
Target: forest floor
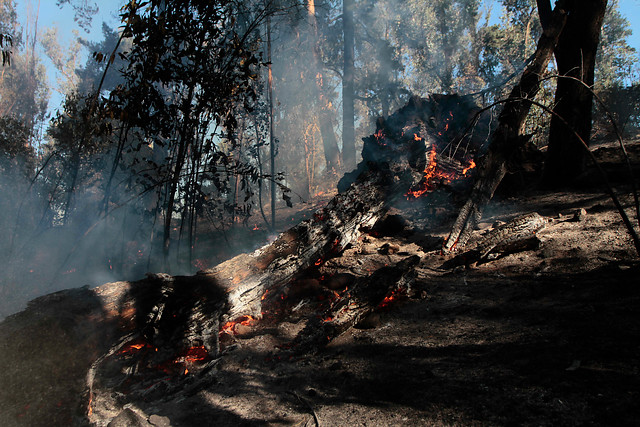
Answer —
(546, 336)
(549, 336)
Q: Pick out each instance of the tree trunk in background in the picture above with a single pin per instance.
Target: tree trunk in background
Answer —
(272, 147)
(329, 141)
(75, 168)
(348, 113)
(575, 55)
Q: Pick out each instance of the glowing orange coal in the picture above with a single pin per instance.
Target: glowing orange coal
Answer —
(229, 328)
(195, 354)
(134, 346)
(394, 296)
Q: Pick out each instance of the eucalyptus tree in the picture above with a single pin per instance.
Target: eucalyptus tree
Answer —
(188, 72)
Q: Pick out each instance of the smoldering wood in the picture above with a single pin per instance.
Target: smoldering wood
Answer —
(167, 314)
(359, 300)
(509, 137)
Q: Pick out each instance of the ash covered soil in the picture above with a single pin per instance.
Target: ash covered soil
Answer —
(545, 336)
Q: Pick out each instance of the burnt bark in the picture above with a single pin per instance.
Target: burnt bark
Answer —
(575, 56)
(508, 138)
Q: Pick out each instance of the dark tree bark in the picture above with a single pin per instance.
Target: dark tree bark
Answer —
(575, 55)
(544, 12)
(348, 114)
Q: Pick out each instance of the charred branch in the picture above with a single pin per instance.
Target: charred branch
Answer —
(508, 138)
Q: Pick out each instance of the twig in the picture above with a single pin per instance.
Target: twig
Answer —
(308, 405)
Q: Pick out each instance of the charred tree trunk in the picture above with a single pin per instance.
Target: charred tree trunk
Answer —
(508, 137)
(75, 170)
(348, 113)
(575, 55)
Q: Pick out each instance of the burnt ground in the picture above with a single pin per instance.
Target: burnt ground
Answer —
(546, 336)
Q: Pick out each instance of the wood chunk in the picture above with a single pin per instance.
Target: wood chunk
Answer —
(519, 229)
(516, 235)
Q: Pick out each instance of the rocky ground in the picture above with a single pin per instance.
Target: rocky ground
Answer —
(545, 336)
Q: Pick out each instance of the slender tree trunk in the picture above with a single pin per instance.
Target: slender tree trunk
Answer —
(575, 55)
(329, 141)
(272, 148)
(261, 179)
(348, 113)
(177, 170)
(75, 166)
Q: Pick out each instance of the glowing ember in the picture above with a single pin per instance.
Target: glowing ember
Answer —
(394, 296)
(471, 166)
(194, 354)
(133, 347)
(379, 136)
(229, 328)
(201, 264)
(319, 261)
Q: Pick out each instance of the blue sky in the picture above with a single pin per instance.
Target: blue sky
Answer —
(50, 14)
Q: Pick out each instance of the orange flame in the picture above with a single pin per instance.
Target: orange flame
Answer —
(433, 175)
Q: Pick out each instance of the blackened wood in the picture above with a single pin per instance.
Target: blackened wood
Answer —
(516, 235)
(355, 304)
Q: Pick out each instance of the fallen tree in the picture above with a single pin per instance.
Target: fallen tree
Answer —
(131, 332)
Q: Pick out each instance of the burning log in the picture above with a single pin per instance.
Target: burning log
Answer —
(169, 326)
(360, 300)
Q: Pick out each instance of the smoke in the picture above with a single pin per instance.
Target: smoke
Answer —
(60, 233)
